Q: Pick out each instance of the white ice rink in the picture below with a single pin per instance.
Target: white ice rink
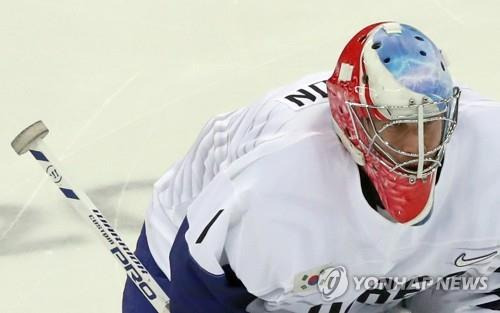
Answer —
(124, 87)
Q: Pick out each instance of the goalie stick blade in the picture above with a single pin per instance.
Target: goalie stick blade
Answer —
(30, 134)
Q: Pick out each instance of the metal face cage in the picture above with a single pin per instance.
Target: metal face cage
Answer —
(426, 162)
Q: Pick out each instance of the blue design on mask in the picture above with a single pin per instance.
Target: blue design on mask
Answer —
(414, 61)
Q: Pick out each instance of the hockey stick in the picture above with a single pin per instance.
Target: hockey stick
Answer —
(31, 139)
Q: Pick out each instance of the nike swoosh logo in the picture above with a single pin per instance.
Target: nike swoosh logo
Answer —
(461, 261)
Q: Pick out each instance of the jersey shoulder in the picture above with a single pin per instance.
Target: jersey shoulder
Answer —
(478, 125)
(227, 138)
(472, 102)
(269, 117)
(470, 172)
(303, 93)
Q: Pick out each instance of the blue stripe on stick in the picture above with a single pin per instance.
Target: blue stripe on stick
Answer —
(69, 193)
(39, 155)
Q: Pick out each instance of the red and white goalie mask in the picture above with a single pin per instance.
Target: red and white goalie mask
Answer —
(394, 107)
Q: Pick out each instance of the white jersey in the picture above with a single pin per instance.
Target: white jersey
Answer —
(270, 191)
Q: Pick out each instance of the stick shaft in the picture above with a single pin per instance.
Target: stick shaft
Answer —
(82, 203)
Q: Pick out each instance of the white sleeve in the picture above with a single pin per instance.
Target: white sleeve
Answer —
(185, 181)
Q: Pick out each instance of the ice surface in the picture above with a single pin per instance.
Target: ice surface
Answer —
(124, 87)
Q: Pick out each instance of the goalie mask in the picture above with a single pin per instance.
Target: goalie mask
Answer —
(391, 86)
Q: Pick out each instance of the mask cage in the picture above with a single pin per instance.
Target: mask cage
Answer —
(427, 161)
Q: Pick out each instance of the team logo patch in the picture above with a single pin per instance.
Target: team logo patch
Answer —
(330, 281)
(307, 281)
